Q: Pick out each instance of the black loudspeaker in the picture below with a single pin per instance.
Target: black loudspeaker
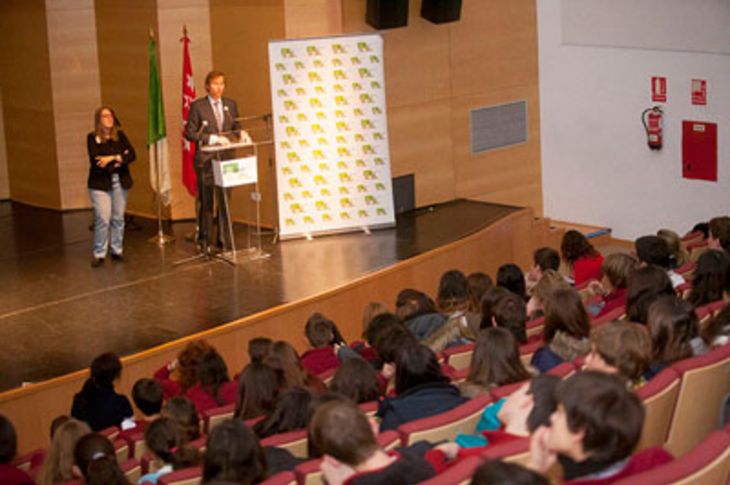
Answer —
(387, 14)
(441, 11)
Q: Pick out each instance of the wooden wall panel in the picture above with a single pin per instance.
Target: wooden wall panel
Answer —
(122, 30)
(494, 61)
(25, 78)
(74, 64)
(32, 408)
(171, 16)
(312, 18)
(4, 183)
(240, 32)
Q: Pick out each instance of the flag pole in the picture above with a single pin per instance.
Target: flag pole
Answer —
(161, 239)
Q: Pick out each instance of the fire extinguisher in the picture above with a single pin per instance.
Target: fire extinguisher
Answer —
(652, 120)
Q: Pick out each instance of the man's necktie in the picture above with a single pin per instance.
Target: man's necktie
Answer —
(218, 115)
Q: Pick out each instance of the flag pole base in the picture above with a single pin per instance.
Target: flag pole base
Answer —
(161, 239)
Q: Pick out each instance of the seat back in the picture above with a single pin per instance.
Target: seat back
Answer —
(517, 451)
(185, 476)
(281, 478)
(30, 460)
(705, 381)
(112, 432)
(369, 408)
(293, 441)
(615, 314)
(659, 397)
(535, 326)
(327, 376)
(215, 416)
(308, 473)
(527, 351)
(121, 450)
(389, 439)
(564, 370)
(445, 426)
(458, 474)
(503, 391)
(132, 469)
(137, 445)
(459, 357)
(707, 464)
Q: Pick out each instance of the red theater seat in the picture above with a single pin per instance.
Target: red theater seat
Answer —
(707, 464)
(659, 396)
(294, 441)
(459, 356)
(459, 474)
(445, 426)
(184, 476)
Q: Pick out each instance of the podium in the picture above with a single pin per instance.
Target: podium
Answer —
(229, 173)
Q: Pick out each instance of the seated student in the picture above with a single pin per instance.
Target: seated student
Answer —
(214, 387)
(645, 285)
(621, 348)
(387, 345)
(258, 387)
(510, 312)
(567, 326)
(356, 380)
(289, 414)
(285, 359)
(421, 389)
(510, 277)
(147, 397)
(320, 334)
(259, 348)
(593, 432)
(477, 284)
(509, 419)
(97, 403)
(717, 331)
(9, 474)
(166, 442)
(549, 282)
(543, 259)
(343, 434)
(581, 257)
(418, 313)
(616, 269)
(182, 411)
(95, 461)
(674, 331)
(719, 233)
(677, 253)
(58, 465)
(496, 472)
(233, 455)
(495, 362)
(654, 251)
(709, 283)
(179, 375)
(489, 299)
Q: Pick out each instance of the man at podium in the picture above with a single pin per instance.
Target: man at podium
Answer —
(210, 122)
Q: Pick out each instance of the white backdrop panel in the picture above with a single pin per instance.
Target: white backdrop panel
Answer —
(331, 133)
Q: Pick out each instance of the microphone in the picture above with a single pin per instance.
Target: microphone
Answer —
(203, 125)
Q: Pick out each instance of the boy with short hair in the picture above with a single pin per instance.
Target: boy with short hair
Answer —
(322, 357)
(654, 251)
(543, 259)
(147, 395)
(593, 432)
(352, 456)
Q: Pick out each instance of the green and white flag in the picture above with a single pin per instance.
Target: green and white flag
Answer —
(156, 134)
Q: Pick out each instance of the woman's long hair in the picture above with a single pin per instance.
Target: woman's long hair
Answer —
(58, 465)
(710, 277)
(496, 359)
(99, 129)
(166, 440)
(258, 388)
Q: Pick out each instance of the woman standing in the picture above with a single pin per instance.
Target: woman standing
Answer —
(110, 154)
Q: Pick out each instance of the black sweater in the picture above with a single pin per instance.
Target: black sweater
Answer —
(101, 178)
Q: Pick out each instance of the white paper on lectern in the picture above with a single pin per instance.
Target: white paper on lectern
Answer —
(235, 172)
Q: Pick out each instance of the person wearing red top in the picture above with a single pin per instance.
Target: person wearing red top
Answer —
(178, 376)
(582, 258)
(593, 432)
(10, 475)
(214, 388)
(320, 333)
(147, 397)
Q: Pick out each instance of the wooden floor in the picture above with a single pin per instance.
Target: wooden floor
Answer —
(57, 312)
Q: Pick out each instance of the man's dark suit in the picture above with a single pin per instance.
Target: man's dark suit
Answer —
(201, 124)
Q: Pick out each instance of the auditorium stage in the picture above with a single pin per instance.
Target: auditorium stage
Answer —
(57, 312)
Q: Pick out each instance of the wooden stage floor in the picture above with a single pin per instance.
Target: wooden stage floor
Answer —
(57, 313)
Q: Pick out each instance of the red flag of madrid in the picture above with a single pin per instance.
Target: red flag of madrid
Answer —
(188, 95)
